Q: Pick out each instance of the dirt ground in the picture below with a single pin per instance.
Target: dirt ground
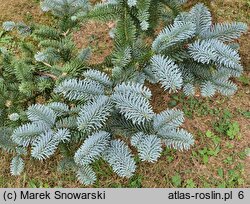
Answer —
(21, 10)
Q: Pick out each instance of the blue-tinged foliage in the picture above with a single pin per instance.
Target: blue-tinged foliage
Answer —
(9, 25)
(226, 56)
(167, 73)
(86, 175)
(168, 119)
(6, 142)
(67, 122)
(119, 156)
(132, 3)
(177, 138)
(16, 166)
(42, 114)
(27, 133)
(59, 108)
(202, 51)
(173, 35)
(133, 88)
(62, 135)
(90, 108)
(226, 32)
(92, 148)
(189, 89)
(149, 146)
(74, 89)
(98, 76)
(44, 146)
(122, 56)
(94, 114)
(132, 105)
(201, 17)
(65, 8)
(207, 89)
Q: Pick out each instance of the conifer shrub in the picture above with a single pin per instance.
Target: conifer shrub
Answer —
(46, 54)
(189, 52)
(104, 112)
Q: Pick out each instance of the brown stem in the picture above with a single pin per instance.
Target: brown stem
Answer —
(66, 33)
(47, 64)
(48, 75)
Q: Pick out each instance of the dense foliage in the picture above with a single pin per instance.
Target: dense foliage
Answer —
(91, 113)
